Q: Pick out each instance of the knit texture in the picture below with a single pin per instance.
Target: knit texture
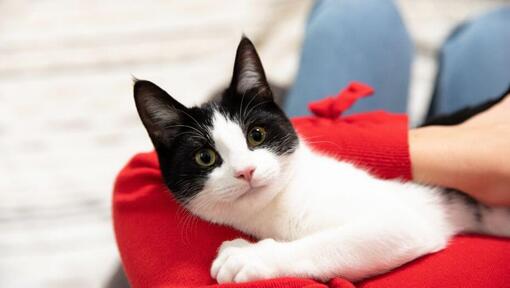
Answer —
(162, 245)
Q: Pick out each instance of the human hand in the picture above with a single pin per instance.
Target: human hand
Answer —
(473, 157)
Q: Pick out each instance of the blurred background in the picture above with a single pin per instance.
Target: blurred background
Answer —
(68, 122)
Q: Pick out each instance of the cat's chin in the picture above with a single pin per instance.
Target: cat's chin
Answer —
(243, 194)
(250, 192)
(256, 198)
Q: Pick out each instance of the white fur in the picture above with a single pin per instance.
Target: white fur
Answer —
(319, 217)
(225, 194)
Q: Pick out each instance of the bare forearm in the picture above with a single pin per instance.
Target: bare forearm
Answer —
(429, 149)
(464, 158)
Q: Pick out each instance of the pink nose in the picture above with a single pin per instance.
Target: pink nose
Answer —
(245, 174)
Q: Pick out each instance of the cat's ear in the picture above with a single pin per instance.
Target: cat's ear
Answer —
(248, 71)
(159, 112)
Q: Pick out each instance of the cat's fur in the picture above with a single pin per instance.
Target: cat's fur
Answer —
(309, 225)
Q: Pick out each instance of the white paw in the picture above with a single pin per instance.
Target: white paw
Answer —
(242, 261)
(238, 243)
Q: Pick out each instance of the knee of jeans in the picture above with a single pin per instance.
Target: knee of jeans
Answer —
(499, 17)
(494, 23)
(354, 8)
(376, 14)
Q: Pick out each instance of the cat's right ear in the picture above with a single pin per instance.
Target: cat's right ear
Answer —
(159, 112)
(248, 71)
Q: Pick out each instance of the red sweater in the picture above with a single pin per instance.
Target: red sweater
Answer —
(161, 245)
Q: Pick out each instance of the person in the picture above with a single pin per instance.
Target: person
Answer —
(349, 40)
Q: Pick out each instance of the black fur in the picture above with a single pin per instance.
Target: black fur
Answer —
(176, 139)
(453, 195)
(178, 132)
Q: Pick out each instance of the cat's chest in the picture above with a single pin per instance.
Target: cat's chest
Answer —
(317, 201)
(295, 216)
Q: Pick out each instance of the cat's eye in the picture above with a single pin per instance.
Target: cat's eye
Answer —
(256, 136)
(205, 157)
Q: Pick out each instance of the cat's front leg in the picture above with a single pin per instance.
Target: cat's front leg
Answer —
(241, 261)
(353, 252)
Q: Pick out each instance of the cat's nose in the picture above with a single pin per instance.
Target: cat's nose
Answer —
(246, 173)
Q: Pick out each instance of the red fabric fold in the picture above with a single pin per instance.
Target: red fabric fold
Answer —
(161, 245)
(333, 107)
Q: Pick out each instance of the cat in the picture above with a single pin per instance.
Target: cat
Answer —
(238, 161)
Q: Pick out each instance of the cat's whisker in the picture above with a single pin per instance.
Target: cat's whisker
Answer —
(306, 138)
(255, 106)
(191, 223)
(194, 134)
(241, 106)
(243, 116)
(195, 120)
(199, 133)
(184, 225)
(186, 126)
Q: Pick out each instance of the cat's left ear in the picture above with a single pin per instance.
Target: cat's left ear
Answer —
(248, 71)
(159, 112)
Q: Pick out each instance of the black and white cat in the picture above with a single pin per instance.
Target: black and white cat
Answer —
(238, 162)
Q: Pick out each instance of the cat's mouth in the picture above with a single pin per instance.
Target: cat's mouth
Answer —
(250, 191)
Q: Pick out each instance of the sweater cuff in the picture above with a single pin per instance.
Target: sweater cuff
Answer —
(376, 141)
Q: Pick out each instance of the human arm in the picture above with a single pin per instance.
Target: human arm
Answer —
(473, 157)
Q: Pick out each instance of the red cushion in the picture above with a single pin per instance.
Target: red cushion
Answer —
(161, 245)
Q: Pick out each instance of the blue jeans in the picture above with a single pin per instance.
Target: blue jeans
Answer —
(348, 40)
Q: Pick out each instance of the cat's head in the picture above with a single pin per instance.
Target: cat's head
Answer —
(226, 156)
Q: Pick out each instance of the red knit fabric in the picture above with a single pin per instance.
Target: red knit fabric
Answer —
(161, 245)
(332, 107)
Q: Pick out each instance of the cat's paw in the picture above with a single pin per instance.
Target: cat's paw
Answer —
(242, 261)
(238, 243)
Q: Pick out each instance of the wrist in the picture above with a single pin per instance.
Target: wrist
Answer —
(432, 153)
